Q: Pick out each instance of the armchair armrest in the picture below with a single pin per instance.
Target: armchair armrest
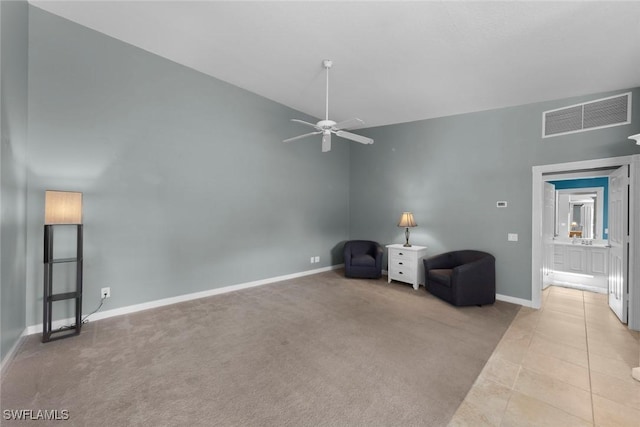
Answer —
(378, 254)
(378, 251)
(442, 261)
(479, 271)
(473, 268)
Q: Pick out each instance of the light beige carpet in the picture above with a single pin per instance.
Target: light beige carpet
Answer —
(315, 351)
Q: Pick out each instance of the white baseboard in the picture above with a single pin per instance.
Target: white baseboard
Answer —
(35, 329)
(595, 283)
(580, 286)
(4, 363)
(499, 297)
(514, 300)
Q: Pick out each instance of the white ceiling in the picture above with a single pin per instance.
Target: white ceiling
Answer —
(393, 61)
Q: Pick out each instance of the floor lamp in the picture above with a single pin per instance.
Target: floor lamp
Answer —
(61, 208)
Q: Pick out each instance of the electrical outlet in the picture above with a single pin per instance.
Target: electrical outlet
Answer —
(105, 293)
(317, 259)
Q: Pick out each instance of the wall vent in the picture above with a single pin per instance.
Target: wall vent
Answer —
(601, 113)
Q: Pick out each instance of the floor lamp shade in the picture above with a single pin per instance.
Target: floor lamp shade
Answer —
(62, 207)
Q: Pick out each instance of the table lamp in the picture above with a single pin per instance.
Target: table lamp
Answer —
(406, 220)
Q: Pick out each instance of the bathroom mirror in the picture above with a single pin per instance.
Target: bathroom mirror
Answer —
(580, 213)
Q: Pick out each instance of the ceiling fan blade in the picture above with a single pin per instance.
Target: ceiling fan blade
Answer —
(306, 123)
(302, 136)
(326, 142)
(354, 137)
(348, 123)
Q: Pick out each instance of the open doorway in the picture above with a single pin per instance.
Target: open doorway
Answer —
(580, 251)
(613, 243)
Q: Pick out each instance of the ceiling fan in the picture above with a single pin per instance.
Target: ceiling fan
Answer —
(326, 127)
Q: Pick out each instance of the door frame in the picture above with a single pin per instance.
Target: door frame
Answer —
(548, 255)
(537, 246)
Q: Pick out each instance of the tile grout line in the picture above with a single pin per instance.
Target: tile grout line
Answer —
(584, 314)
(588, 365)
(513, 390)
(586, 337)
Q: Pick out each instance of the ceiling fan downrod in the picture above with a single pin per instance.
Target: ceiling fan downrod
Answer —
(327, 64)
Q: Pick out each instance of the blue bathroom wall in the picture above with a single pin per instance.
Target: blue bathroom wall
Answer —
(589, 183)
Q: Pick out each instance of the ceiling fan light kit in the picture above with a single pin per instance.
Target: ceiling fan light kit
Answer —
(326, 127)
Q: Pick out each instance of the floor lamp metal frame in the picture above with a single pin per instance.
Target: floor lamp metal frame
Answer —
(49, 297)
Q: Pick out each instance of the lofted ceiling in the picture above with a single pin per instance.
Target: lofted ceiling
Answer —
(393, 61)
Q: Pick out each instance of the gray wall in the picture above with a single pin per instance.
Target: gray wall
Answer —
(188, 187)
(13, 122)
(187, 183)
(450, 172)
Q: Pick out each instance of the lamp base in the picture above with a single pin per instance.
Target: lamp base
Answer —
(406, 235)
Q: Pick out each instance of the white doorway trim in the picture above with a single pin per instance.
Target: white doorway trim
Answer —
(634, 226)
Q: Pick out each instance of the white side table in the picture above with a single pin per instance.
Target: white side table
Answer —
(405, 264)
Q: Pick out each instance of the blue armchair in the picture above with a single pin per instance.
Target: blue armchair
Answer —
(363, 259)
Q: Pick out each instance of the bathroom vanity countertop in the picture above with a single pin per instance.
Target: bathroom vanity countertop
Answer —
(570, 243)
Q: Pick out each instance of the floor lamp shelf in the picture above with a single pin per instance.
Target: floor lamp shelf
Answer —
(49, 297)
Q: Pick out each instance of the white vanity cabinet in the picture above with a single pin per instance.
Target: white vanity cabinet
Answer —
(599, 261)
(585, 264)
(575, 259)
(581, 258)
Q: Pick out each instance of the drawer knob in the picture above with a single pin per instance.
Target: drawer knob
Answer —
(400, 263)
(400, 253)
(400, 272)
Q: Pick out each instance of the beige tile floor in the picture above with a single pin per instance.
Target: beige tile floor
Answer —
(567, 364)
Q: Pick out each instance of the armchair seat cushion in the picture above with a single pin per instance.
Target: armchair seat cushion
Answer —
(441, 276)
(363, 259)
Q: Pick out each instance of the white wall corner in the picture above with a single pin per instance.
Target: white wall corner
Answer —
(4, 364)
(514, 300)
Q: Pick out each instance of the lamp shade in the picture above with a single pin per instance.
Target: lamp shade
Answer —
(406, 220)
(636, 138)
(62, 207)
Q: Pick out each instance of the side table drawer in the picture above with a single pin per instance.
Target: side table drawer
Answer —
(402, 254)
(407, 275)
(402, 263)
